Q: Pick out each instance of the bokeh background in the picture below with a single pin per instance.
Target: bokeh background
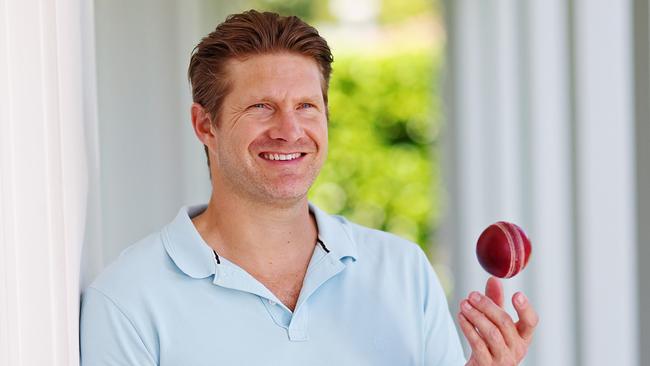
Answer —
(383, 168)
(446, 116)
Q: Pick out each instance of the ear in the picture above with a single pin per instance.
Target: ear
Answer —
(202, 124)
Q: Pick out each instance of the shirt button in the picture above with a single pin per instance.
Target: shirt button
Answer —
(271, 302)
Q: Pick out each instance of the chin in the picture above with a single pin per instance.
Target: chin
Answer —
(287, 196)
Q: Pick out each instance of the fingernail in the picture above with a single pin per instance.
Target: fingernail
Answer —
(475, 297)
(521, 299)
(466, 306)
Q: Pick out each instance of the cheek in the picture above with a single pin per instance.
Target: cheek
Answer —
(245, 135)
(317, 128)
(321, 133)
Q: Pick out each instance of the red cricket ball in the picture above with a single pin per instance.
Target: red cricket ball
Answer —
(503, 249)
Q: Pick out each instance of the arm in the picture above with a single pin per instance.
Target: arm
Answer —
(107, 336)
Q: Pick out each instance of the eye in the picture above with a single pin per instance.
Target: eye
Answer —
(258, 105)
(306, 105)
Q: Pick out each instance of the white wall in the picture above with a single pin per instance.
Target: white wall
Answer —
(150, 163)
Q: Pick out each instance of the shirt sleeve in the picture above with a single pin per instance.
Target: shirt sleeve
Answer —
(107, 336)
(442, 345)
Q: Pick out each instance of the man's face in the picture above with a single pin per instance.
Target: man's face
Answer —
(271, 139)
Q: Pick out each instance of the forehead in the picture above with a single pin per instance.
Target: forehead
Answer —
(276, 74)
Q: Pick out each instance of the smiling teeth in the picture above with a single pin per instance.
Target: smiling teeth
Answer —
(281, 156)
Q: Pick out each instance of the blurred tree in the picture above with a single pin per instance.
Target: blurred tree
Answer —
(396, 11)
(382, 171)
(390, 11)
(308, 10)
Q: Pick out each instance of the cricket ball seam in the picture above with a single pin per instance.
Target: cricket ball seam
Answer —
(511, 245)
(520, 248)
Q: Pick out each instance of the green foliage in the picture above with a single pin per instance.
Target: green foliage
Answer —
(382, 171)
(307, 10)
(395, 11)
(390, 11)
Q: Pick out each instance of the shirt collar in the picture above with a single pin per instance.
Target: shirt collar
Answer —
(195, 258)
(334, 232)
(185, 245)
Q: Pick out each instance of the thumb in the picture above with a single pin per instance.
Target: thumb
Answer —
(494, 290)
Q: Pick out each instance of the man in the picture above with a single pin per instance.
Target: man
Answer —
(260, 276)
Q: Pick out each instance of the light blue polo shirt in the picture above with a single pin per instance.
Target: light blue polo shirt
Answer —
(368, 298)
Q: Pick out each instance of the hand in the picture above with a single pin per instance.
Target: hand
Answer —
(495, 339)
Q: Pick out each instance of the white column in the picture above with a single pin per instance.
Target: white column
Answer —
(550, 200)
(466, 176)
(605, 193)
(642, 117)
(506, 155)
(43, 181)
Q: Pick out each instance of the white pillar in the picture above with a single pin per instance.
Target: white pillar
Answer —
(43, 180)
(642, 117)
(605, 189)
(550, 200)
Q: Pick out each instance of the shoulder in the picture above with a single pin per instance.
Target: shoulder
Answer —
(139, 268)
(399, 265)
(116, 320)
(378, 245)
(377, 240)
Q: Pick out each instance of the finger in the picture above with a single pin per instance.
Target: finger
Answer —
(497, 316)
(480, 351)
(494, 290)
(488, 331)
(528, 318)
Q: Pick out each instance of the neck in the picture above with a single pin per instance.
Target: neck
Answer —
(258, 235)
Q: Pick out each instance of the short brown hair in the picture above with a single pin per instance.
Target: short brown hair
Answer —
(245, 34)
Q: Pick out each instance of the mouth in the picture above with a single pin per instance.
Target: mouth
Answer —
(282, 157)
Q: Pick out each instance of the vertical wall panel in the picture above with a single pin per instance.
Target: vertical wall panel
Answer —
(92, 255)
(72, 23)
(9, 326)
(42, 181)
(642, 125)
(468, 172)
(506, 153)
(605, 163)
(551, 210)
(8, 348)
(30, 180)
(541, 122)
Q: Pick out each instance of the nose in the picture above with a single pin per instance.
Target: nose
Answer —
(287, 127)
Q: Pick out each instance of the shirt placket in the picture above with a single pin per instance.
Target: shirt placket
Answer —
(323, 266)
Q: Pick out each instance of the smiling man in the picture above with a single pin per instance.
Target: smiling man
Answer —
(261, 276)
